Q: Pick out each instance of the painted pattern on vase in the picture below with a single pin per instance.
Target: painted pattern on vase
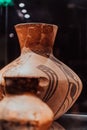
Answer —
(52, 81)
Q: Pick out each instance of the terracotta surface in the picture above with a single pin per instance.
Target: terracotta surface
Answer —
(56, 84)
(25, 110)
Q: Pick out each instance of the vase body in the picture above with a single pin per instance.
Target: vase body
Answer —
(56, 84)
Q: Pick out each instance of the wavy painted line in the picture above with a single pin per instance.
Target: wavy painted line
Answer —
(53, 81)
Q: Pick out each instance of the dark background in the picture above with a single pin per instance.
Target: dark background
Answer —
(71, 41)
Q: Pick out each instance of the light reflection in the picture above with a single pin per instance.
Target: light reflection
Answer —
(11, 35)
(19, 13)
(21, 5)
(24, 11)
(27, 16)
(71, 5)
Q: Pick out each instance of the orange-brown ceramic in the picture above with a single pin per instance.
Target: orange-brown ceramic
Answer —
(52, 81)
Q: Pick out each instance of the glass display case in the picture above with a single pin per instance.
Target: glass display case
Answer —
(70, 43)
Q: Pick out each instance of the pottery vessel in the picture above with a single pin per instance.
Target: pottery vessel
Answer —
(38, 71)
(24, 112)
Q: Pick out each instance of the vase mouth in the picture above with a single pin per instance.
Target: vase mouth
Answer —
(38, 37)
(35, 23)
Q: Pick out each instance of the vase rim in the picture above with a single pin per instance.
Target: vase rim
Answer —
(37, 23)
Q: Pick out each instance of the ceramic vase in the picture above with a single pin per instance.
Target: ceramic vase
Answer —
(38, 71)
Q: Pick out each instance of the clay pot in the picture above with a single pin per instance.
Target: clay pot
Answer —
(36, 70)
(25, 112)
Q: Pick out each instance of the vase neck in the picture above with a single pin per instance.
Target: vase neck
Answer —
(38, 37)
